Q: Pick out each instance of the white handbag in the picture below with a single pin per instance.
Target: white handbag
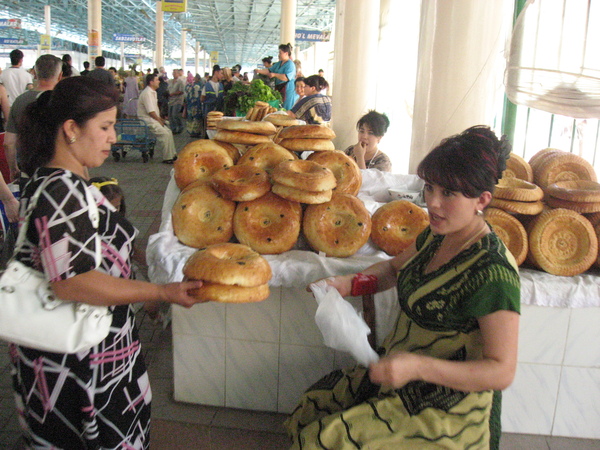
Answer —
(30, 313)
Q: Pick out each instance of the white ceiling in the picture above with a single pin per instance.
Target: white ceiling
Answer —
(242, 31)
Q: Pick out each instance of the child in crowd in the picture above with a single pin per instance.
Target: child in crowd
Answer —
(109, 187)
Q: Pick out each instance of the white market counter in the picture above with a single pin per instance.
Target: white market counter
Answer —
(262, 356)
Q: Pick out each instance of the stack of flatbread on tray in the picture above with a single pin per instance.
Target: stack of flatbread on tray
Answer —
(246, 132)
(307, 138)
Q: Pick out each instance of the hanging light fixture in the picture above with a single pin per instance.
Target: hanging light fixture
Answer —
(554, 60)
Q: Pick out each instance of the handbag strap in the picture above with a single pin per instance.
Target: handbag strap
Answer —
(93, 214)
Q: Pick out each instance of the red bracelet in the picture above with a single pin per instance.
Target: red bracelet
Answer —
(363, 284)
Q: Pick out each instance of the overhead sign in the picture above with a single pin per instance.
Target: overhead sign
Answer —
(119, 37)
(45, 42)
(214, 58)
(10, 23)
(12, 41)
(313, 36)
(174, 5)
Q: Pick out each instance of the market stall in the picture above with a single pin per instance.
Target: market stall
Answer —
(263, 355)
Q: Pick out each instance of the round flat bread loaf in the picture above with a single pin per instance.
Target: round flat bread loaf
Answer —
(281, 120)
(347, 174)
(241, 183)
(199, 160)
(512, 206)
(247, 126)
(539, 156)
(201, 217)
(300, 196)
(266, 156)
(562, 242)
(306, 145)
(269, 225)
(241, 274)
(307, 132)
(580, 207)
(562, 166)
(304, 175)
(575, 191)
(339, 227)
(230, 264)
(518, 189)
(396, 225)
(510, 231)
(240, 137)
(517, 167)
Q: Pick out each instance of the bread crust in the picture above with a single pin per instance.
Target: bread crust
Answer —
(562, 242)
(307, 132)
(228, 264)
(201, 217)
(240, 137)
(396, 225)
(575, 191)
(306, 145)
(300, 196)
(241, 183)
(266, 156)
(269, 225)
(199, 159)
(339, 227)
(248, 126)
(518, 189)
(347, 174)
(304, 175)
(510, 231)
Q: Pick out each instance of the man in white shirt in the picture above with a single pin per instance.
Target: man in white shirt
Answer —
(16, 79)
(176, 96)
(148, 111)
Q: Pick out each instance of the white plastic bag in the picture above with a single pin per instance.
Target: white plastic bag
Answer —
(341, 326)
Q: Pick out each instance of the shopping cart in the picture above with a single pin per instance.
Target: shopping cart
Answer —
(133, 134)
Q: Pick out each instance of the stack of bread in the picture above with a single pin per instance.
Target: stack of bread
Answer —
(244, 132)
(212, 118)
(260, 199)
(545, 209)
(231, 273)
(303, 182)
(266, 156)
(259, 111)
(307, 138)
(281, 121)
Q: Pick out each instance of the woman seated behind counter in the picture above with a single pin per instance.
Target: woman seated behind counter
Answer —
(371, 128)
(313, 108)
(455, 339)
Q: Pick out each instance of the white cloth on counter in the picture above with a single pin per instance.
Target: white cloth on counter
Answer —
(166, 257)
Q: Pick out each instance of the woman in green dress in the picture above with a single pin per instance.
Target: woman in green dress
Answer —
(454, 345)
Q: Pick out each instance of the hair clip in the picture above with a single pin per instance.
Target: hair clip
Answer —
(105, 183)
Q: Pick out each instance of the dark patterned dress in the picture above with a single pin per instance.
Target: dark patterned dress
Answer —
(98, 398)
(438, 317)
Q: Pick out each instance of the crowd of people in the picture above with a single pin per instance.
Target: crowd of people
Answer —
(442, 366)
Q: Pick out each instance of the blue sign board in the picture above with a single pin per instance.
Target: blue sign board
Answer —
(118, 37)
(10, 23)
(11, 41)
(312, 35)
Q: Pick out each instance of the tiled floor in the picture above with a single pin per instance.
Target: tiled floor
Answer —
(186, 426)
